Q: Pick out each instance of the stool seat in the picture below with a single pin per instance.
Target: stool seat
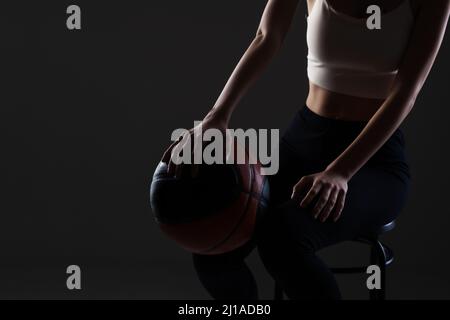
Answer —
(378, 230)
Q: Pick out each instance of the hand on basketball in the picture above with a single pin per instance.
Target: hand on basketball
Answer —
(173, 153)
(328, 188)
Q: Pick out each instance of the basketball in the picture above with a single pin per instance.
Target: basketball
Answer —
(214, 212)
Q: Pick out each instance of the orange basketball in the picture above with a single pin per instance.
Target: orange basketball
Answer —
(214, 212)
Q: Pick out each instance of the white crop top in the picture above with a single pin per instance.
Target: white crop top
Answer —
(345, 56)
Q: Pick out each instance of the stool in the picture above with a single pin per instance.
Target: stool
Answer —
(380, 255)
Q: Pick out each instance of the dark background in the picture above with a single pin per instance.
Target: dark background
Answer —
(85, 116)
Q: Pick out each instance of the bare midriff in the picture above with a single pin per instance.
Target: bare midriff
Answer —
(340, 106)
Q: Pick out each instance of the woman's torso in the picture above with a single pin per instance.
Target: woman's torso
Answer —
(336, 105)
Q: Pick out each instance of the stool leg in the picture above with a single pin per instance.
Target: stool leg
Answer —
(378, 257)
(278, 292)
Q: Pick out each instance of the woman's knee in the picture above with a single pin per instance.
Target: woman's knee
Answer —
(284, 239)
(292, 224)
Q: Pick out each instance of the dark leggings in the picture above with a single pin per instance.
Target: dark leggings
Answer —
(288, 237)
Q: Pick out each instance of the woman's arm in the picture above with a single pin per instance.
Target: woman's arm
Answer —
(422, 49)
(424, 44)
(274, 25)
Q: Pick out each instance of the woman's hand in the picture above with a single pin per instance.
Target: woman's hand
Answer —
(329, 188)
(211, 121)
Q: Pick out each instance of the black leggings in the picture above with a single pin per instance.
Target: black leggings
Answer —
(288, 236)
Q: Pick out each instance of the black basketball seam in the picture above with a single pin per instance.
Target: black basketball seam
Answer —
(241, 218)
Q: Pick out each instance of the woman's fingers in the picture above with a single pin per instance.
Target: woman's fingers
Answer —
(174, 167)
(168, 153)
(186, 144)
(192, 143)
(312, 193)
(194, 166)
(331, 203)
(340, 203)
(299, 189)
(174, 158)
(197, 150)
(322, 201)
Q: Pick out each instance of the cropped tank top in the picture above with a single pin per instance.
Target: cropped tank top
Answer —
(345, 56)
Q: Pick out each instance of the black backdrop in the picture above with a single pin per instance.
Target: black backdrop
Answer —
(85, 115)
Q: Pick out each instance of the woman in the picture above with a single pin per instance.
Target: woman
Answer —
(343, 169)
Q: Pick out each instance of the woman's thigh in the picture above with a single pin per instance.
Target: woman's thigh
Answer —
(375, 197)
